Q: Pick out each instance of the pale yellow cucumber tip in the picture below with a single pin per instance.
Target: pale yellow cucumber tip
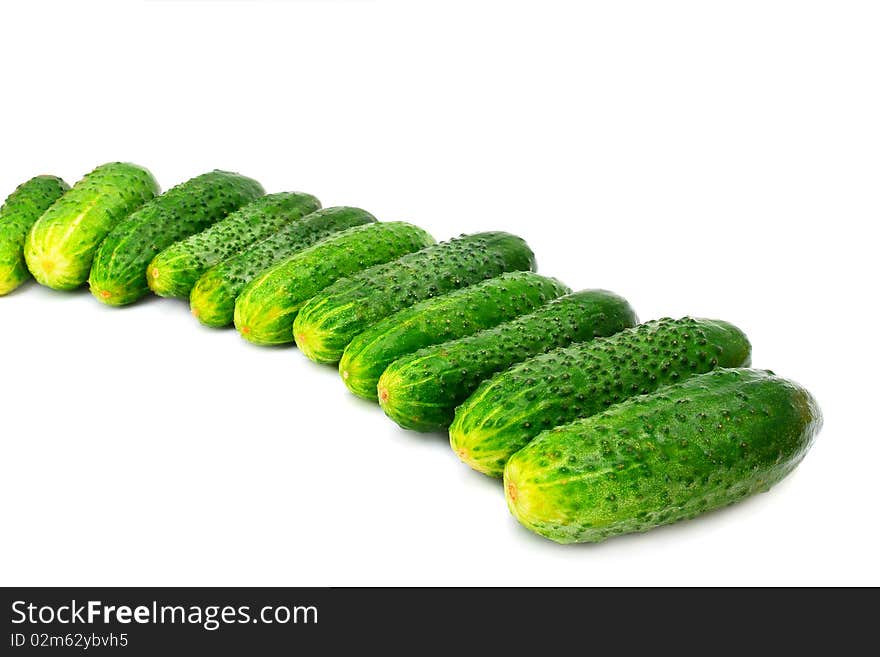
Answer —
(465, 456)
(155, 272)
(478, 466)
(303, 341)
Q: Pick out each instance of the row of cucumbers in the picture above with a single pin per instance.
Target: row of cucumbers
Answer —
(599, 425)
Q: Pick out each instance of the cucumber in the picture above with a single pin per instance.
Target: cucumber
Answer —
(441, 319)
(20, 211)
(706, 442)
(327, 323)
(174, 271)
(212, 299)
(60, 247)
(569, 383)
(266, 307)
(421, 390)
(118, 275)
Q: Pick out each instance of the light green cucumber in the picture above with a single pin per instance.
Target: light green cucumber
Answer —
(20, 211)
(118, 275)
(61, 245)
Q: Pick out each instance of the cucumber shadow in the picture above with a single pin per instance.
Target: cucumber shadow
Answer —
(21, 289)
(34, 287)
(290, 347)
(434, 438)
(143, 302)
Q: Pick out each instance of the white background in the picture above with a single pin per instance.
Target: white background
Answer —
(717, 159)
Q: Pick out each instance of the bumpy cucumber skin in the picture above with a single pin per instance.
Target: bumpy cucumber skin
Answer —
(60, 247)
(212, 299)
(20, 211)
(175, 270)
(324, 326)
(441, 319)
(267, 306)
(510, 409)
(420, 391)
(118, 275)
(655, 459)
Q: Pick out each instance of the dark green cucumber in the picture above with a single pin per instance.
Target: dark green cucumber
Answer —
(267, 306)
(421, 390)
(212, 299)
(118, 275)
(20, 211)
(60, 247)
(441, 319)
(509, 410)
(327, 323)
(685, 449)
(174, 271)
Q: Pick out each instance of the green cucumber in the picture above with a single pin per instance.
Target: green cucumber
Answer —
(212, 299)
(441, 319)
(20, 211)
(685, 449)
(509, 410)
(60, 247)
(174, 271)
(421, 390)
(118, 275)
(327, 323)
(267, 306)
